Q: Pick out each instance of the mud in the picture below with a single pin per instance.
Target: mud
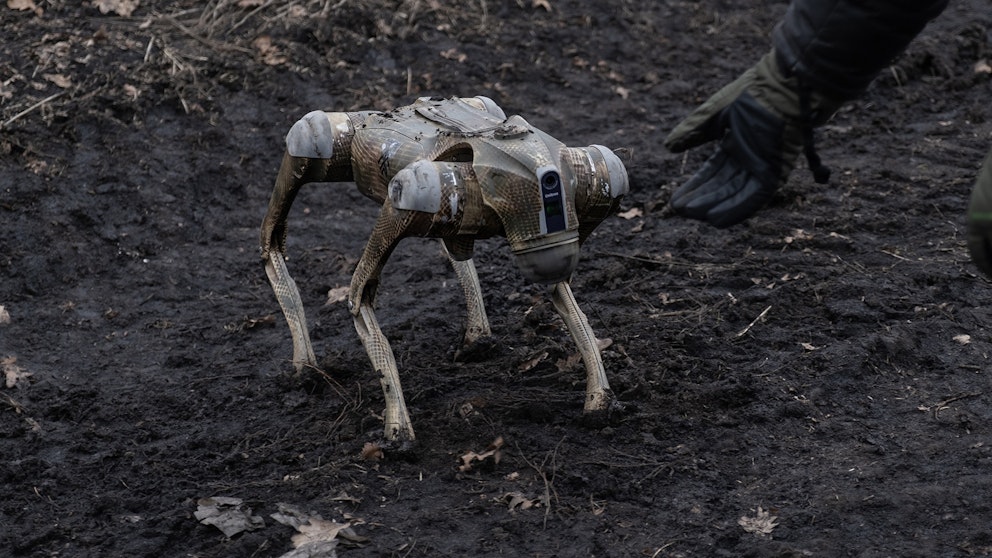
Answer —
(810, 383)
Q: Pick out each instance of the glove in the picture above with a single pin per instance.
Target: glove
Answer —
(980, 219)
(764, 119)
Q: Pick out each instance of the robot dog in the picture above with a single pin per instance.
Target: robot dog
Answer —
(456, 169)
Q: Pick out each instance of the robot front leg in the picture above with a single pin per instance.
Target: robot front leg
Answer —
(390, 227)
(398, 427)
(599, 396)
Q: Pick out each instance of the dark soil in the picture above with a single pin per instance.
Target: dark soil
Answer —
(824, 363)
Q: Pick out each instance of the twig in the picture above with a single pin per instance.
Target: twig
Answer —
(894, 255)
(216, 45)
(549, 487)
(943, 404)
(18, 408)
(40, 103)
(744, 331)
(249, 14)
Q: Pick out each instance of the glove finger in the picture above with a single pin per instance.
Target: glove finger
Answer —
(705, 123)
(690, 189)
(717, 180)
(749, 197)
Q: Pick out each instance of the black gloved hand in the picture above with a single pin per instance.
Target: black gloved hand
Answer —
(980, 219)
(764, 119)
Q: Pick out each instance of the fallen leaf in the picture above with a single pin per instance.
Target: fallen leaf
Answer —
(761, 524)
(230, 515)
(320, 549)
(318, 530)
(809, 346)
(545, 4)
(983, 67)
(454, 54)
(631, 213)
(123, 8)
(4, 316)
(372, 452)
(132, 91)
(337, 294)
(290, 515)
(515, 500)
(471, 459)
(268, 52)
(59, 80)
(23, 5)
(798, 234)
(316, 537)
(13, 373)
(531, 363)
(963, 339)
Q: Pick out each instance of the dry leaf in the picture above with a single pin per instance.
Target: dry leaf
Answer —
(454, 54)
(514, 500)
(798, 234)
(132, 91)
(809, 346)
(317, 537)
(291, 515)
(372, 452)
(24, 5)
(230, 515)
(58, 79)
(318, 530)
(123, 8)
(631, 213)
(531, 363)
(761, 524)
(268, 52)
(545, 4)
(337, 294)
(13, 373)
(472, 459)
(982, 67)
(4, 316)
(964, 338)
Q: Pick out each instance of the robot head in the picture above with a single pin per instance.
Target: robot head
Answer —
(543, 192)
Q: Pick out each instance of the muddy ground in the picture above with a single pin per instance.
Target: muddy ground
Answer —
(810, 383)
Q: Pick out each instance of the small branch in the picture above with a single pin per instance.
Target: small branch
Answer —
(894, 255)
(210, 43)
(744, 331)
(40, 103)
(14, 404)
(943, 404)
